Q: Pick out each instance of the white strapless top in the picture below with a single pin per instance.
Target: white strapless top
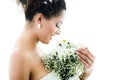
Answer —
(53, 76)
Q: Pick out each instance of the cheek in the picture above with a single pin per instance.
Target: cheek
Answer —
(51, 28)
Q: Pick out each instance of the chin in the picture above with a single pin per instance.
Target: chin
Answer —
(46, 42)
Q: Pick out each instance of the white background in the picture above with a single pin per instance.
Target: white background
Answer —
(95, 23)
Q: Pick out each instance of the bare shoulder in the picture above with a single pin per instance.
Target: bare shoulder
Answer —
(19, 66)
(20, 57)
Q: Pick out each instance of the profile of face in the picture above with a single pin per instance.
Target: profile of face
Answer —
(50, 27)
(48, 14)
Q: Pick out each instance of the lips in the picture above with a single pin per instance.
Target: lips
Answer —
(51, 37)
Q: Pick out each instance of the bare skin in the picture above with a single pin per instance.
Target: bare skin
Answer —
(87, 58)
(26, 63)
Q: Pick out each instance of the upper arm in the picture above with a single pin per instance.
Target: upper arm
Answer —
(19, 68)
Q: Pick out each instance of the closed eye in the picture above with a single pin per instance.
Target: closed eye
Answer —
(58, 25)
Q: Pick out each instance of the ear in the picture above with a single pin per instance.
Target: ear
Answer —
(39, 18)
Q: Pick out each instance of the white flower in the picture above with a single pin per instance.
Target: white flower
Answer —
(64, 61)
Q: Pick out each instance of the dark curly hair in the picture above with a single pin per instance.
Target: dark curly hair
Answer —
(48, 8)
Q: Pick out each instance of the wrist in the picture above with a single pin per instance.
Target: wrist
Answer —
(83, 79)
(82, 76)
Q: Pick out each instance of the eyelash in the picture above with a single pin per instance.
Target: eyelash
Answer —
(57, 25)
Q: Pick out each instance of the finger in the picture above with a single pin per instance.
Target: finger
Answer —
(84, 62)
(87, 65)
(87, 54)
(84, 58)
(85, 48)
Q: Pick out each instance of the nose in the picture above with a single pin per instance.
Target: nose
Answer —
(58, 31)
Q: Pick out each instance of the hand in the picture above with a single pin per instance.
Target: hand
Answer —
(87, 59)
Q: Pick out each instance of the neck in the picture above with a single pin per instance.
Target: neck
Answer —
(28, 40)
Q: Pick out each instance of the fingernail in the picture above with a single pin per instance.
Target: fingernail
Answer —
(82, 48)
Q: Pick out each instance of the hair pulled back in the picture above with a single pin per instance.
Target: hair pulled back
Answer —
(48, 8)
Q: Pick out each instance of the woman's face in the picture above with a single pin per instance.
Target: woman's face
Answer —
(51, 27)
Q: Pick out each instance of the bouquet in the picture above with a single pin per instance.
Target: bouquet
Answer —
(63, 60)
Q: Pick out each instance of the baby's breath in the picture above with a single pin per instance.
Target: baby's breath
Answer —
(64, 61)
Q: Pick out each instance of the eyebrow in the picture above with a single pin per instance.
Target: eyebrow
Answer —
(60, 22)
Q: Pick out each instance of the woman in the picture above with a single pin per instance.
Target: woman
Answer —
(43, 21)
